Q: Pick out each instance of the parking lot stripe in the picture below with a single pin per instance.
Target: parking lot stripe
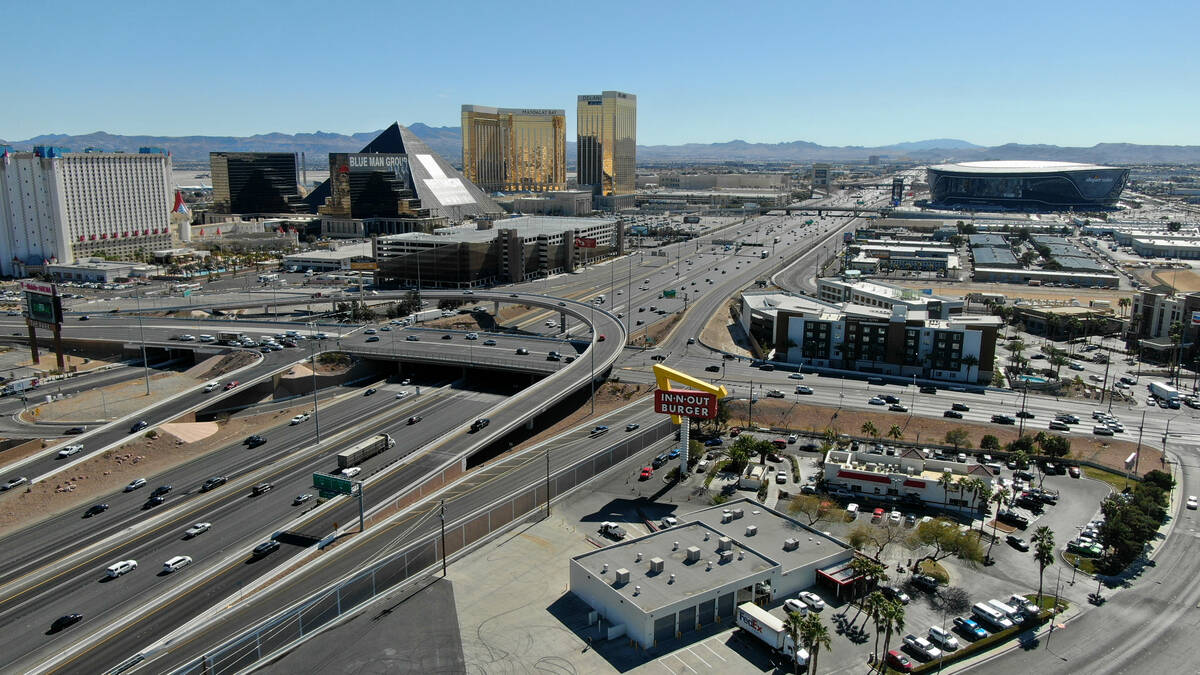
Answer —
(705, 644)
(685, 665)
(706, 663)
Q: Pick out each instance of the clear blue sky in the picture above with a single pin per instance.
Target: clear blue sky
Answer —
(834, 73)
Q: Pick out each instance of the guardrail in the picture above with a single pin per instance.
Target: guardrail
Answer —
(415, 565)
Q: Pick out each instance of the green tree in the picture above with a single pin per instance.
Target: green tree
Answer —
(972, 363)
(874, 604)
(815, 509)
(1055, 446)
(1058, 361)
(989, 442)
(738, 453)
(942, 540)
(1043, 553)
(794, 626)
(1020, 458)
(946, 482)
(869, 429)
(895, 432)
(814, 636)
(958, 437)
(1022, 444)
(1160, 479)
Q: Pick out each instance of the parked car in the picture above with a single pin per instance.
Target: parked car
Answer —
(894, 593)
(814, 601)
(795, 605)
(925, 582)
(943, 638)
(899, 661)
(969, 628)
(922, 647)
(1017, 542)
(1191, 502)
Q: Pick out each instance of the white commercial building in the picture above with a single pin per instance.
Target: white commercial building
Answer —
(909, 477)
(336, 257)
(56, 207)
(668, 584)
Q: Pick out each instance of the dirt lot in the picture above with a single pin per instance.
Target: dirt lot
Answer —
(799, 417)
(1183, 280)
(139, 457)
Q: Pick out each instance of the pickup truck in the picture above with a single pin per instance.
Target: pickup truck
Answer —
(612, 530)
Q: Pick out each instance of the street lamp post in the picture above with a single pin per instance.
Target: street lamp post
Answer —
(313, 354)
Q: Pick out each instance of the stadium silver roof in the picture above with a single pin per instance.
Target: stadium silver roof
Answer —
(1017, 166)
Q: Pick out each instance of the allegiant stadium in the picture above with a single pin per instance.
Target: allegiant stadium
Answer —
(1026, 184)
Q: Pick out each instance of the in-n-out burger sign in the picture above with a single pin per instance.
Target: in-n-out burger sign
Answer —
(685, 403)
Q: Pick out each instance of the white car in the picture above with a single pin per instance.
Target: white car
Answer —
(352, 471)
(943, 638)
(401, 394)
(875, 400)
(207, 338)
(814, 601)
(135, 484)
(73, 449)
(895, 516)
(302, 417)
(795, 605)
(922, 646)
(198, 528)
(187, 338)
(781, 477)
(211, 386)
(1191, 502)
(123, 567)
(669, 521)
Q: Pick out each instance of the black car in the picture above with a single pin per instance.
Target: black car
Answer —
(632, 426)
(370, 391)
(153, 502)
(138, 426)
(952, 413)
(66, 620)
(161, 490)
(962, 407)
(1023, 475)
(659, 461)
(894, 593)
(480, 423)
(75, 430)
(891, 399)
(925, 582)
(897, 407)
(265, 548)
(212, 483)
(95, 510)
(1003, 419)
(713, 369)
(447, 337)
(1017, 542)
(414, 419)
(1025, 413)
(254, 441)
(928, 390)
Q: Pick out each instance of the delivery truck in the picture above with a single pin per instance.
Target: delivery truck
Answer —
(766, 627)
(355, 455)
(230, 337)
(1164, 391)
(18, 386)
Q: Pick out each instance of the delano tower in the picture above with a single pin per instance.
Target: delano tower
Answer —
(607, 142)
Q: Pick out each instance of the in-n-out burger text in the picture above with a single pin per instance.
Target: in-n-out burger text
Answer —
(685, 403)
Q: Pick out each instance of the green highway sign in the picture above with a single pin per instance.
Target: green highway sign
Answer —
(669, 293)
(334, 485)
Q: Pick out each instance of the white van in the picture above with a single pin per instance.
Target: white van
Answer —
(176, 563)
(852, 511)
(991, 616)
(1009, 611)
(702, 466)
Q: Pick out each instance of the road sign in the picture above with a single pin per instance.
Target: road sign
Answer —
(335, 485)
(685, 403)
(669, 293)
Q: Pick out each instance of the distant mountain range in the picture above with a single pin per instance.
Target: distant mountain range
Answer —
(447, 141)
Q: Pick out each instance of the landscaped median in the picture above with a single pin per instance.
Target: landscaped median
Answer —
(979, 646)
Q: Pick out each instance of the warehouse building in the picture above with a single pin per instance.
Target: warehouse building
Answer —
(1021, 276)
(671, 583)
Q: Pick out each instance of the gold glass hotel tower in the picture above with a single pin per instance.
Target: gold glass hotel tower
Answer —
(514, 149)
(607, 142)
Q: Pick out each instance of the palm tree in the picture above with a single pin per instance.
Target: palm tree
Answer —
(795, 625)
(869, 429)
(983, 493)
(1124, 304)
(875, 603)
(1043, 553)
(895, 432)
(972, 486)
(999, 497)
(946, 481)
(971, 361)
(1058, 361)
(893, 621)
(815, 635)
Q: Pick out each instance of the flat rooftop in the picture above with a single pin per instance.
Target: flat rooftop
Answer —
(1017, 166)
(526, 226)
(703, 530)
(340, 253)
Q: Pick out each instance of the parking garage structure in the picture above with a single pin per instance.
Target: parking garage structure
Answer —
(673, 582)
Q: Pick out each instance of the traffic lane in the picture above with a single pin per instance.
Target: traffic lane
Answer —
(247, 513)
(50, 539)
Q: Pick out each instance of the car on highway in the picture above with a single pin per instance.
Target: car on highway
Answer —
(264, 549)
(632, 426)
(447, 336)
(969, 628)
(351, 471)
(13, 482)
(553, 356)
(1003, 419)
(774, 393)
(372, 338)
(898, 407)
(302, 417)
(66, 620)
(213, 482)
(197, 529)
(95, 510)
(261, 488)
(804, 389)
(300, 499)
(369, 391)
(1191, 502)
(138, 426)
(74, 431)
(875, 400)
(73, 449)
(713, 369)
(953, 413)
(414, 419)
(162, 490)
(119, 568)
(646, 473)
(413, 338)
(489, 342)
(1025, 414)
(211, 386)
(599, 429)
(369, 331)
(1102, 430)
(154, 501)
(135, 484)
(231, 384)
(254, 441)
(85, 317)
(961, 407)
(521, 351)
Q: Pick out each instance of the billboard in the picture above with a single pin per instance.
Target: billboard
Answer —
(685, 403)
(1196, 318)
(897, 189)
(42, 304)
(585, 242)
(366, 266)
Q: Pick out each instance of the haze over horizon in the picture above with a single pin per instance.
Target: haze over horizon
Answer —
(871, 74)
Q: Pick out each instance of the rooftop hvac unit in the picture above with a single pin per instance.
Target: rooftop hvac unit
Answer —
(751, 530)
(738, 513)
(693, 553)
(726, 556)
(726, 516)
(724, 544)
(656, 565)
(791, 544)
(622, 576)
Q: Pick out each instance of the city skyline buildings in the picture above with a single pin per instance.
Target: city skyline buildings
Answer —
(514, 149)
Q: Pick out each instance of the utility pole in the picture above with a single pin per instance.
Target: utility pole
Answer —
(442, 515)
(547, 482)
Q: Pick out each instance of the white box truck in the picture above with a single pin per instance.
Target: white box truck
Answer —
(766, 627)
(1164, 391)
